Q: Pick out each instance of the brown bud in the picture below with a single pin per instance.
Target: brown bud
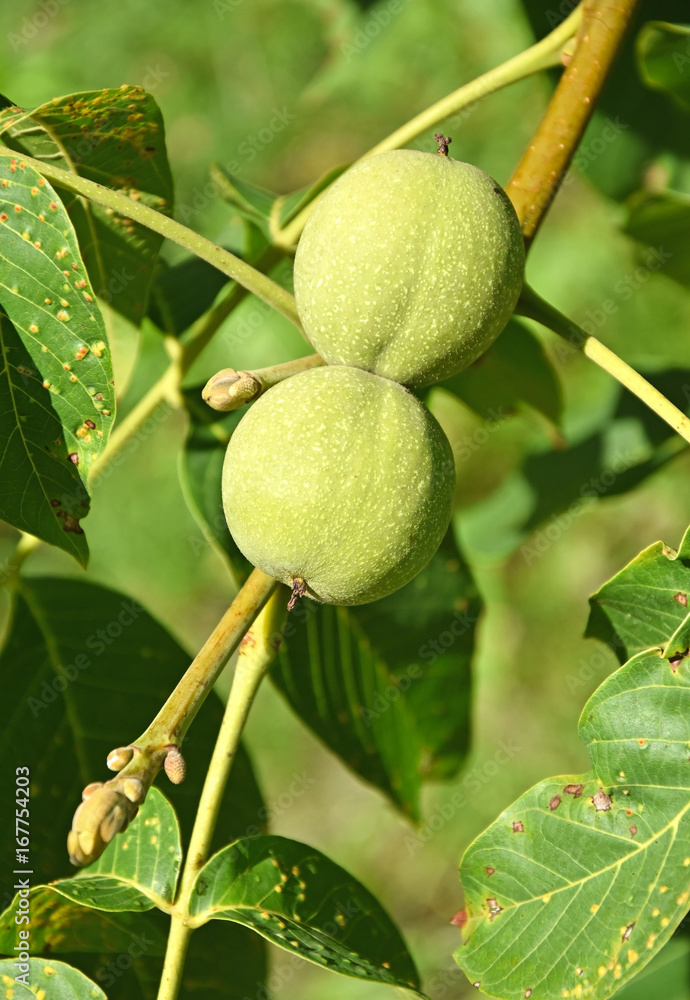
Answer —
(175, 766)
(118, 758)
(104, 813)
(229, 389)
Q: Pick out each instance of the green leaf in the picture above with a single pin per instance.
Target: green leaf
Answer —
(513, 371)
(303, 902)
(667, 975)
(124, 951)
(645, 603)
(40, 489)
(662, 219)
(45, 293)
(582, 880)
(84, 670)
(201, 468)
(116, 138)
(180, 294)
(386, 686)
(253, 203)
(49, 979)
(138, 870)
(663, 52)
(59, 925)
(292, 204)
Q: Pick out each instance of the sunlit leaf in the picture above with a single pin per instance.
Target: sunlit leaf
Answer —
(303, 902)
(582, 880)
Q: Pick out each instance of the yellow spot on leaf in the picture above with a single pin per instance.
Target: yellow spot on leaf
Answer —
(601, 971)
(594, 907)
(663, 888)
(546, 898)
(655, 912)
(632, 956)
(665, 921)
(650, 940)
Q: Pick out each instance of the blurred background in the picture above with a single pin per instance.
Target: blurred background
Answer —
(279, 91)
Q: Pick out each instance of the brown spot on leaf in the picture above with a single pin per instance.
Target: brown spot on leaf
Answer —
(574, 790)
(90, 423)
(71, 523)
(675, 660)
(55, 502)
(518, 826)
(494, 908)
(681, 598)
(633, 830)
(628, 931)
(459, 919)
(601, 801)
(555, 802)
(74, 458)
(489, 870)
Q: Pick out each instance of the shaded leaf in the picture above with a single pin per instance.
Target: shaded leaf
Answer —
(253, 203)
(59, 925)
(645, 603)
(513, 371)
(201, 468)
(662, 219)
(181, 293)
(49, 979)
(114, 137)
(582, 880)
(45, 292)
(663, 52)
(84, 670)
(303, 902)
(124, 951)
(386, 686)
(40, 488)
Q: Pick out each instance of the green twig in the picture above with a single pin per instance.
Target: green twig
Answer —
(111, 806)
(229, 389)
(534, 307)
(256, 653)
(543, 55)
(254, 281)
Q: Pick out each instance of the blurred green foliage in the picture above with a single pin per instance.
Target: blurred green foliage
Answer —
(277, 92)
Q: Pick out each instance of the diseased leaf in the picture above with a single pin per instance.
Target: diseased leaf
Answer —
(45, 292)
(303, 902)
(645, 603)
(59, 925)
(40, 488)
(582, 880)
(386, 685)
(663, 56)
(123, 951)
(49, 979)
(83, 670)
(116, 138)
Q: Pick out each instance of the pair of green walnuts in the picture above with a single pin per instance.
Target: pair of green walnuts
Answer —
(338, 481)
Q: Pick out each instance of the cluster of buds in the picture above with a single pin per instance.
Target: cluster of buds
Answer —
(107, 808)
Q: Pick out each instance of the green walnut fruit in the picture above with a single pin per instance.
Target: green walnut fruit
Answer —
(409, 266)
(339, 483)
